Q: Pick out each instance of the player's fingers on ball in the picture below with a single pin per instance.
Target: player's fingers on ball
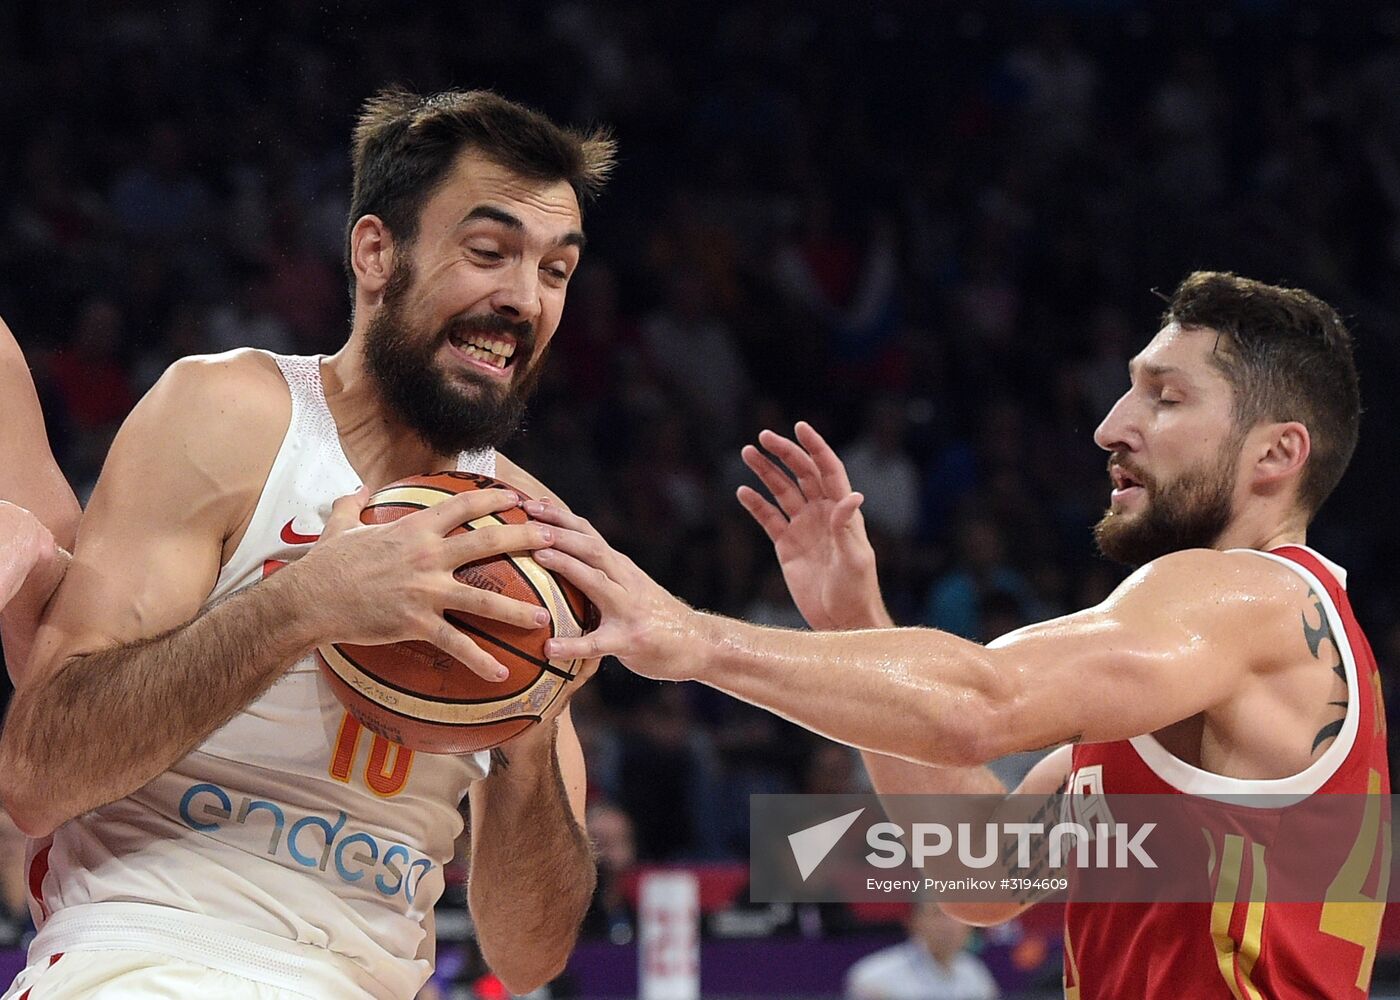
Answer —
(596, 585)
(553, 513)
(345, 512)
(469, 506)
(446, 637)
(795, 457)
(769, 518)
(497, 607)
(833, 470)
(591, 646)
(778, 482)
(567, 649)
(495, 540)
(589, 549)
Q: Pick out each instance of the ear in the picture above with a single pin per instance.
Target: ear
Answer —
(371, 255)
(1284, 449)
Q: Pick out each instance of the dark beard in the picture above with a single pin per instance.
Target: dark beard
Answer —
(1191, 512)
(446, 415)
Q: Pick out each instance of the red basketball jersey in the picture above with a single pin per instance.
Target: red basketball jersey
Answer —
(1241, 946)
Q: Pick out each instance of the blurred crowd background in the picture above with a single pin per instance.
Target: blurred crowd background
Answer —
(936, 231)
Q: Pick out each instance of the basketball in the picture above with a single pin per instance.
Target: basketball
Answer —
(420, 697)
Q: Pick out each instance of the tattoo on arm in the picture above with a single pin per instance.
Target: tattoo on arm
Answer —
(1047, 815)
(1314, 636)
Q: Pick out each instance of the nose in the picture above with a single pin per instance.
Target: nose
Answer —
(1119, 430)
(517, 297)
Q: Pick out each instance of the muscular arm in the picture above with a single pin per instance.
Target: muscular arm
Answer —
(1175, 639)
(121, 650)
(125, 649)
(36, 534)
(897, 780)
(532, 871)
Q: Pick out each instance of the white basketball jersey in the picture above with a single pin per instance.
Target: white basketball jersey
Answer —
(291, 819)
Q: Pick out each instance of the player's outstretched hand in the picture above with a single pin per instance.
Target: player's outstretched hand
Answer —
(392, 582)
(816, 528)
(642, 624)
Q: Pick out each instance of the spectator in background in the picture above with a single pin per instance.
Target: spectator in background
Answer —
(93, 386)
(88, 375)
(696, 354)
(956, 602)
(932, 965)
(248, 319)
(667, 776)
(611, 915)
(880, 467)
(159, 197)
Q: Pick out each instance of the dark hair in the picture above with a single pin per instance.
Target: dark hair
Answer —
(1287, 355)
(405, 145)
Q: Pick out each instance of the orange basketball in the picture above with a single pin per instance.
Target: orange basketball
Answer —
(420, 697)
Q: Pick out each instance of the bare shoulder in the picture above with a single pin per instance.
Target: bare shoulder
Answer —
(511, 473)
(225, 404)
(241, 383)
(212, 425)
(1236, 591)
(1210, 574)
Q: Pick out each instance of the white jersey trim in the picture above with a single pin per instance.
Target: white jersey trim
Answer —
(1194, 781)
(216, 944)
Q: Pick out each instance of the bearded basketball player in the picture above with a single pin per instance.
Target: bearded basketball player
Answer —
(1229, 663)
(207, 820)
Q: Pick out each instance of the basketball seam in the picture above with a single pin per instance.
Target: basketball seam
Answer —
(545, 602)
(372, 703)
(497, 641)
(513, 693)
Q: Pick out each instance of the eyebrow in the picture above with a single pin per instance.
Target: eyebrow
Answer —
(573, 238)
(1154, 370)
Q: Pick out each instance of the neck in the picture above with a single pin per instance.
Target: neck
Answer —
(380, 448)
(1264, 532)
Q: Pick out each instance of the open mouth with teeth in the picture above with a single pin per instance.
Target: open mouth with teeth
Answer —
(492, 350)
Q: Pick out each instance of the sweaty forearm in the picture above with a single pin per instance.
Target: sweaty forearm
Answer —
(532, 871)
(917, 694)
(892, 776)
(155, 700)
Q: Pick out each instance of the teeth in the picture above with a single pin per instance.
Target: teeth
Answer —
(495, 348)
(478, 354)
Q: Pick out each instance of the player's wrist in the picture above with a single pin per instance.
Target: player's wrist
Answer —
(529, 754)
(306, 607)
(869, 614)
(710, 646)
